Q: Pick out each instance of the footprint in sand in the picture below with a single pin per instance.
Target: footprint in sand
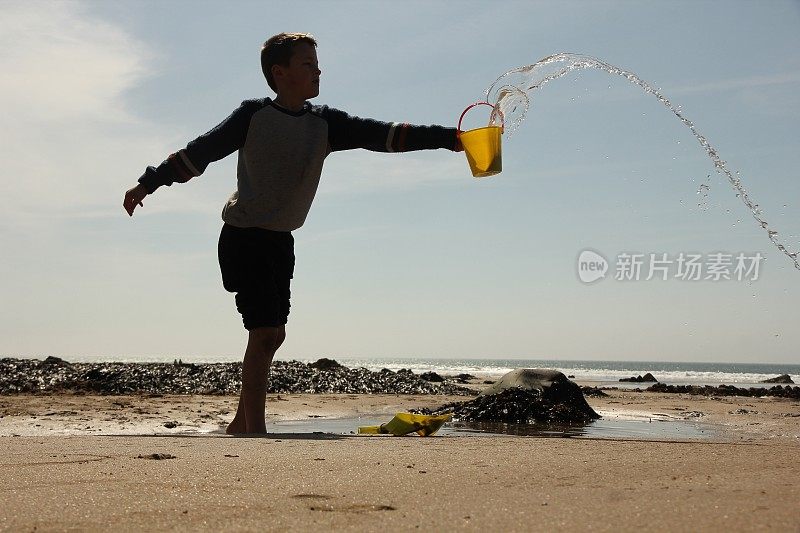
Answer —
(342, 508)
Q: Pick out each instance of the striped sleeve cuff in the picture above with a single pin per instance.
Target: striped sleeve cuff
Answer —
(183, 166)
(407, 137)
(177, 168)
(396, 139)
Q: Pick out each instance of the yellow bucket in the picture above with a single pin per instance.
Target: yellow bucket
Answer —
(482, 146)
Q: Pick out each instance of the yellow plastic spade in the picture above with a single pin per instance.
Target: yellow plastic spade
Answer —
(405, 423)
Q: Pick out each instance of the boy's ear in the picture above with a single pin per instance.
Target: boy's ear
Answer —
(277, 71)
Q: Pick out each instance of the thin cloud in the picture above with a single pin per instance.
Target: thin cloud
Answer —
(68, 134)
(734, 84)
(59, 63)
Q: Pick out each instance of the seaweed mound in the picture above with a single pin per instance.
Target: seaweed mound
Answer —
(526, 396)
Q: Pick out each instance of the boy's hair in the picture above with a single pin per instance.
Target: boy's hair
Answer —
(278, 51)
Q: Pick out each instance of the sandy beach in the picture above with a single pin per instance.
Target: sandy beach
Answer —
(86, 462)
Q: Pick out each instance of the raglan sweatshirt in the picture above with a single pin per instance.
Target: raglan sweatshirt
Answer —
(281, 153)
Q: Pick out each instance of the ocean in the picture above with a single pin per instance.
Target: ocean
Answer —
(605, 372)
(674, 373)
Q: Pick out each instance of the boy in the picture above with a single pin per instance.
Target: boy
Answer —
(282, 144)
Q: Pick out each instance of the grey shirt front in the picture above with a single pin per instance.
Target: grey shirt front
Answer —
(281, 154)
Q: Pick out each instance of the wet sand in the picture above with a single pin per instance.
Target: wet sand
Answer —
(80, 468)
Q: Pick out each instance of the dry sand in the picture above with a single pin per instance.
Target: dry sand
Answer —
(80, 469)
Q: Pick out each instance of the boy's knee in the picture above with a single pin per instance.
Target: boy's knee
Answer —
(265, 337)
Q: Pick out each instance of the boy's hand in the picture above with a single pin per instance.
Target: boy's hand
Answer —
(134, 196)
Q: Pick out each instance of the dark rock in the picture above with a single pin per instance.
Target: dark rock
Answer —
(325, 364)
(463, 378)
(54, 361)
(171, 424)
(432, 376)
(488, 382)
(528, 378)
(647, 378)
(783, 378)
(571, 376)
(593, 391)
(157, 456)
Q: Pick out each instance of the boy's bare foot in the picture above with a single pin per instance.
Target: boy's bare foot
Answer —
(237, 427)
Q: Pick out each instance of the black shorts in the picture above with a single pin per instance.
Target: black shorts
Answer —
(257, 264)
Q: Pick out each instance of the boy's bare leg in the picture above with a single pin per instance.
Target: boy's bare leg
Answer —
(238, 424)
(262, 343)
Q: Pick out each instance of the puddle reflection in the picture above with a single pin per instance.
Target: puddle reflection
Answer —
(609, 427)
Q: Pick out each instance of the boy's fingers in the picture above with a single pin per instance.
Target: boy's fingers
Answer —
(128, 206)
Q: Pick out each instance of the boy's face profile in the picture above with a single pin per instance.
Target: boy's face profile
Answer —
(301, 77)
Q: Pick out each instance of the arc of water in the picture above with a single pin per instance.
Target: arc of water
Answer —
(512, 91)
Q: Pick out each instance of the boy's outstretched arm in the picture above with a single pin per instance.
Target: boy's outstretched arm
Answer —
(347, 132)
(133, 197)
(224, 139)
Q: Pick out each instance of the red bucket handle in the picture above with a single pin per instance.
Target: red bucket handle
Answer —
(461, 118)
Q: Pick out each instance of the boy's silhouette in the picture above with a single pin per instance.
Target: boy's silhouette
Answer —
(282, 144)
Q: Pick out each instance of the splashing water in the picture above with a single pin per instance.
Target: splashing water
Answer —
(703, 191)
(512, 92)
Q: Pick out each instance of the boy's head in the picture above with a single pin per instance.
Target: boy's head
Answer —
(287, 59)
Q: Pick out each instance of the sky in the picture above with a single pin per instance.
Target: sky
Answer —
(405, 255)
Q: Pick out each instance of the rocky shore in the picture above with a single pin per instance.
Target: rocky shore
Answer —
(55, 375)
(728, 390)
